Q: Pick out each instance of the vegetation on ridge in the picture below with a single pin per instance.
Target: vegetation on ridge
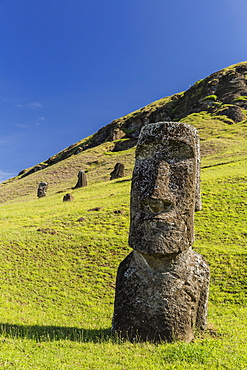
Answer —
(222, 96)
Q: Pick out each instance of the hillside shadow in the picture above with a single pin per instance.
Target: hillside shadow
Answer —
(53, 333)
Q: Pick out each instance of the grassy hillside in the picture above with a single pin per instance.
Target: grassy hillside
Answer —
(219, 99)
(58, 273)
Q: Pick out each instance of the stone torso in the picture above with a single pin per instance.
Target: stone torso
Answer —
(162, 299)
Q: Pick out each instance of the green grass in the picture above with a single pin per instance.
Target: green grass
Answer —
(241, 98)
(57, 280)
(211, 97)
(57, 290)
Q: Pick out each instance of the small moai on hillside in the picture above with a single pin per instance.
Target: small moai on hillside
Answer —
(117, 172)
(42, 189)
(82, 180)
(162, 285)
(68, 197)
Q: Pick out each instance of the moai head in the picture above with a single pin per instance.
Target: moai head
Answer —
(42, 188)
(165, 186)
(82, 179)
(117, 172)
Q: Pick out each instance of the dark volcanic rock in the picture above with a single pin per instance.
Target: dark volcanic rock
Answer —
(95, 209)
(124, 145)
(36, 168)
(233, 112)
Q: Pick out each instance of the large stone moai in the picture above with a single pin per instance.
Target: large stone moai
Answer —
(42, 189)
(162, 286)
(82, 180)
(117, 172)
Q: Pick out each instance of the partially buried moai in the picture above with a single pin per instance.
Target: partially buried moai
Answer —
(162, 286)
(42, 189)
(82, 180)
(117, 172)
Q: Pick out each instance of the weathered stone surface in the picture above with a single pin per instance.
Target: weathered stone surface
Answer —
(234, 112)
(42, 189)
(162, 286)
(68, 197)
(198, 199)
(117, 172)
(161, 299)
(164, 188)
(36, 168)
(117, 134)
(82, 180)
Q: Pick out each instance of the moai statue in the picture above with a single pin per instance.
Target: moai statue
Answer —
(42, 188)
(162, 286)
(118, 171)
(68, 197)
(82, 180)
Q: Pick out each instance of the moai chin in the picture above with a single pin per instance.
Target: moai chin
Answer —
(162, 286)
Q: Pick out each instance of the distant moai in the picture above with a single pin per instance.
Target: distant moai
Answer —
(162, 285)
(117, 172)
(82, 180)
(42, 189)
(68, 197)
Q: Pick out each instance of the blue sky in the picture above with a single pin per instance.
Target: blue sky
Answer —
(69, 67)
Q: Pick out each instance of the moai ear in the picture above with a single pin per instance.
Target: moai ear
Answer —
(198, 202)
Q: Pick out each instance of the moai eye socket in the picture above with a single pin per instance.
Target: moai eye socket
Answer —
(170, 150)
(176, 151)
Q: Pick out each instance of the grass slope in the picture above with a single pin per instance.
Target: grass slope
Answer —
(58, 274)
(57, 289)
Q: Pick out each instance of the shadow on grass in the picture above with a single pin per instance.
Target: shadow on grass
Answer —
(52, 333)
(125, 180)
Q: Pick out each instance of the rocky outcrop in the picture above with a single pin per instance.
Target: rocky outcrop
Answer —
(161, 299)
